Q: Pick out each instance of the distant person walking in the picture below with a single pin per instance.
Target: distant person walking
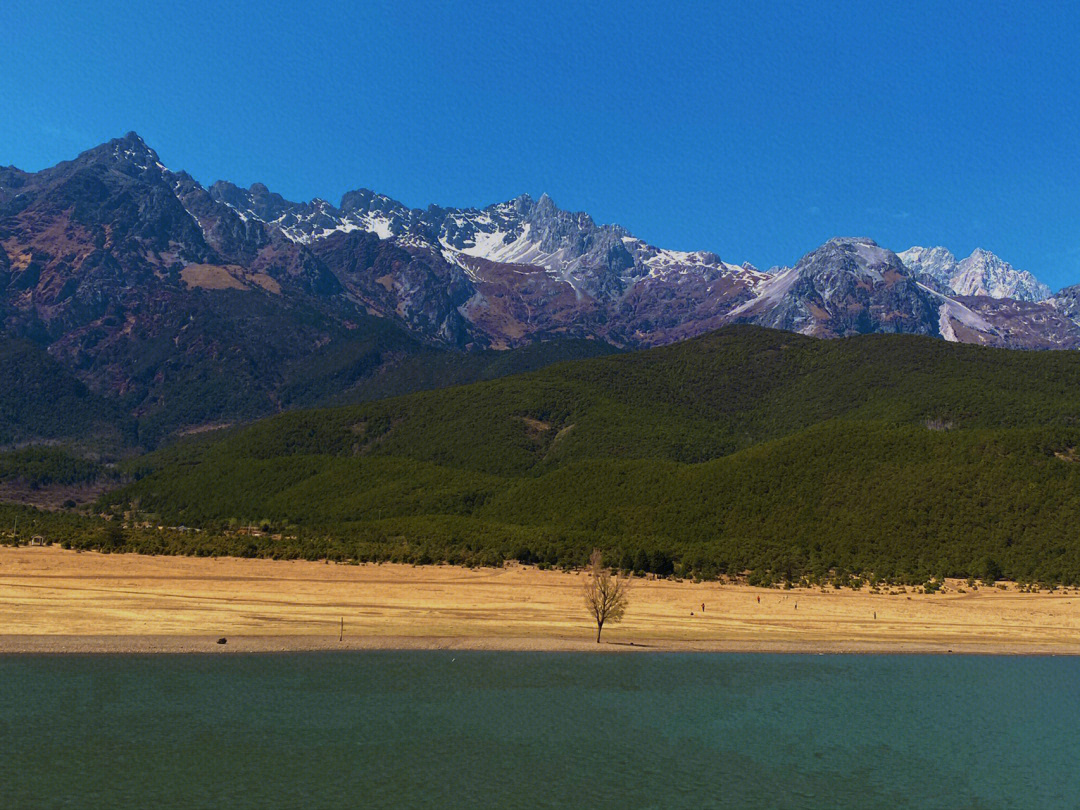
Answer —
(702, 607)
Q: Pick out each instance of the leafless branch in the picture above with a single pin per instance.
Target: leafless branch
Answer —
(606, 596)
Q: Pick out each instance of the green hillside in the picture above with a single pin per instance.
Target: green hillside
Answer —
(743, 450)
(41, 400)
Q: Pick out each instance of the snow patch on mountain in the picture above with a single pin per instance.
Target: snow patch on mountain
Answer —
(952, 309)
(521, 249)
(770, 290)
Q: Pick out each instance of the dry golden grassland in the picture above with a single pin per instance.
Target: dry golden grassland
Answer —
(57, 600)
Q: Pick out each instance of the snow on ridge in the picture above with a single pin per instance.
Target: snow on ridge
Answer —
(370, 222)
(501, 233)
(770, 289)
(378, 225)
(950, 308)
(945, 325)
(179, 199)
(492, 245)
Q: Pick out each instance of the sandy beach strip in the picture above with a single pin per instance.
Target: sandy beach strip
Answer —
(52, 600)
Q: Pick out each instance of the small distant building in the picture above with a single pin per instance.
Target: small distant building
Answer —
(37, 540)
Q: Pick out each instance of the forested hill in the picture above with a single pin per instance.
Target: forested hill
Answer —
(42, 401)
(745, 449)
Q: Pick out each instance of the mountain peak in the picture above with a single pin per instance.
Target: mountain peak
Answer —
(853, 240)
(545, 205)
(130, 150)
(981, 273)
(849, 285)
(364, 200)
(134, 146)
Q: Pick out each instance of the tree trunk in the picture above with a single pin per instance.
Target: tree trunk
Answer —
(599, 627)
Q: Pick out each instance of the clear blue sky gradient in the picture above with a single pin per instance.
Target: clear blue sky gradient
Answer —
(753, 129)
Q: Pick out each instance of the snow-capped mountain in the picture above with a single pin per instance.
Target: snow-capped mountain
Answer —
(853, 286)
(981, 273)
(574, 274)
(602, 261)
(304, 223)
(534, 268)
(847, 286)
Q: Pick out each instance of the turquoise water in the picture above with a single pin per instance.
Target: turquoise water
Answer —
(517, 730)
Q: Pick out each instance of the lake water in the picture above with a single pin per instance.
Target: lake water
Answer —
(522, 730)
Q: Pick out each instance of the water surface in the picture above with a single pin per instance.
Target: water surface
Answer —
(518, 730)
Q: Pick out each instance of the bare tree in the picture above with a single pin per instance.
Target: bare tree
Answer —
(605, 596)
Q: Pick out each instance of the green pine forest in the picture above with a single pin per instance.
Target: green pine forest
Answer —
(745, 452)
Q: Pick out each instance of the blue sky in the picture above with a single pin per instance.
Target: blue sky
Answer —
(756, 130)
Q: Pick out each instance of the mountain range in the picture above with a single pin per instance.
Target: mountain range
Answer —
(187, 306)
